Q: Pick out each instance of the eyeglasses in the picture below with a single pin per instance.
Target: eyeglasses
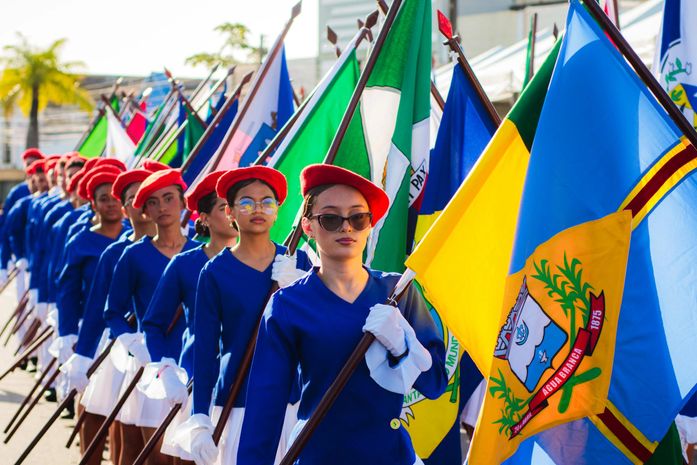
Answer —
(267, 205)
(332, 223)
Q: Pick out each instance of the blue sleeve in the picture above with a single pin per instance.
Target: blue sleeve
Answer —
(93, 318)
(163, 306)
(431, 383)
(273, 372)
(206, 349)
(57, 237)
(120, 298)
(16, 230)
(5, 248)
(303, 261)
(70, 299)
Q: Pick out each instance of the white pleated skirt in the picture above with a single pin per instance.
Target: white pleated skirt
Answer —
(104, 387)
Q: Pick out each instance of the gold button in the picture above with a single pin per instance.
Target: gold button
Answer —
(394, 423)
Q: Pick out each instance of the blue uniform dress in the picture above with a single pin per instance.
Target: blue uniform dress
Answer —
(37, 279)
(93, 324)
(46, 245)
(229, 300)
(17, 192)
(59, 231)
(309, 325)
(16, 224)
(176, 287)
(33, 212)
(136, 275)
(75, 280)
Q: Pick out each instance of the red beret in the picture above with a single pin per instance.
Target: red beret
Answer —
(270, 176)
(156, 181)
(124, 180)
(75, 180)
(202, 189)
(111, 162)
(51, 162)
(98, 177)
(36, 165)
(82, 184)
(35, 153)
(319, 175)
(154, 165)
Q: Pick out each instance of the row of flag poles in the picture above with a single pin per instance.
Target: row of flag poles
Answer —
(555, 245)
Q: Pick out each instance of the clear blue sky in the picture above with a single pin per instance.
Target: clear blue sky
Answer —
(135, 37)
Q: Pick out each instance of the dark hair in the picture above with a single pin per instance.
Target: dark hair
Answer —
(235, 188)
(311, 198)
(75, 164)
(201, 229)
(207, 202)
(123, 192)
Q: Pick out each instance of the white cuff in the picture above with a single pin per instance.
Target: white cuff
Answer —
(163, 380)
(62, 347)
(184, 433)
(401, 377)
(76, 364)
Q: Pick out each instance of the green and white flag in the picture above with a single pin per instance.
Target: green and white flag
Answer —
(312, 134)
(394, 112)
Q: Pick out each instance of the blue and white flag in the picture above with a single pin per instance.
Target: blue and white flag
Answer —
(676, 53)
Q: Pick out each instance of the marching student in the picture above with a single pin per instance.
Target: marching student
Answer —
(20, 191)
(100, 391)
(135, 278)
(232, 290)
(75, 281)
(316, 324)
(177, 287)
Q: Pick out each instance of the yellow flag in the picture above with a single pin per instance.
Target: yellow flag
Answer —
(555, 344)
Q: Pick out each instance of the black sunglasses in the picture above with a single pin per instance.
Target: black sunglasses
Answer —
(332, 222)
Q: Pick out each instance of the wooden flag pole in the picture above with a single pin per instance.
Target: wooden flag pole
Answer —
(371, 20)
(18, 309)
(342, 378)
(533, 42)
(156, 146)
(160, 431)
(216, 121)
(640, 68)
(45, 334)
(64, 404)
(51, 379)
(11, 277)
(261, 73)
(333, 38)
(295, 237)
(29, 396)
(446, 29)
(104, 428)
(23, 313)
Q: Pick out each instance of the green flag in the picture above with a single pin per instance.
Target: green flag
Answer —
(312, 134)
(394, 114)
(94, 143)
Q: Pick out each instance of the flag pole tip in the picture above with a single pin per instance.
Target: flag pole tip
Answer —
(445, 26)
(383, 5)
(296, 10)
(331, 35)
(231, 70)
(371, 20)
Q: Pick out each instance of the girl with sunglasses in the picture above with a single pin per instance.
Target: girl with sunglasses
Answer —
(232, 290)
(316, 324)
(136, 276)
(178, 287)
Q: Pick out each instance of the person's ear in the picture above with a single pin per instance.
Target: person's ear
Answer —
(307, 227)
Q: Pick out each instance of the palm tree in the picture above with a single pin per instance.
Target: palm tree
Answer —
(42, 78)
(236, 43)
(7, 106)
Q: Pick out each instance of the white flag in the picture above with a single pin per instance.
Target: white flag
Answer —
(118, 143)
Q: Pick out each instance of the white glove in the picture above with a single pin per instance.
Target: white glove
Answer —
(22, 264)
(75, 369)
(11, 265)
(134, 343)
(203, 449)
(165, 380)
(62, 347)
(285, 271)
(176, 391)
(384, 322)
(401, 377)
(3, 277)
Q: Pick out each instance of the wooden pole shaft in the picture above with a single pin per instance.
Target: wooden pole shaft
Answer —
(31, 406)
(28, 397)
(15, 312)
(29, 350)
